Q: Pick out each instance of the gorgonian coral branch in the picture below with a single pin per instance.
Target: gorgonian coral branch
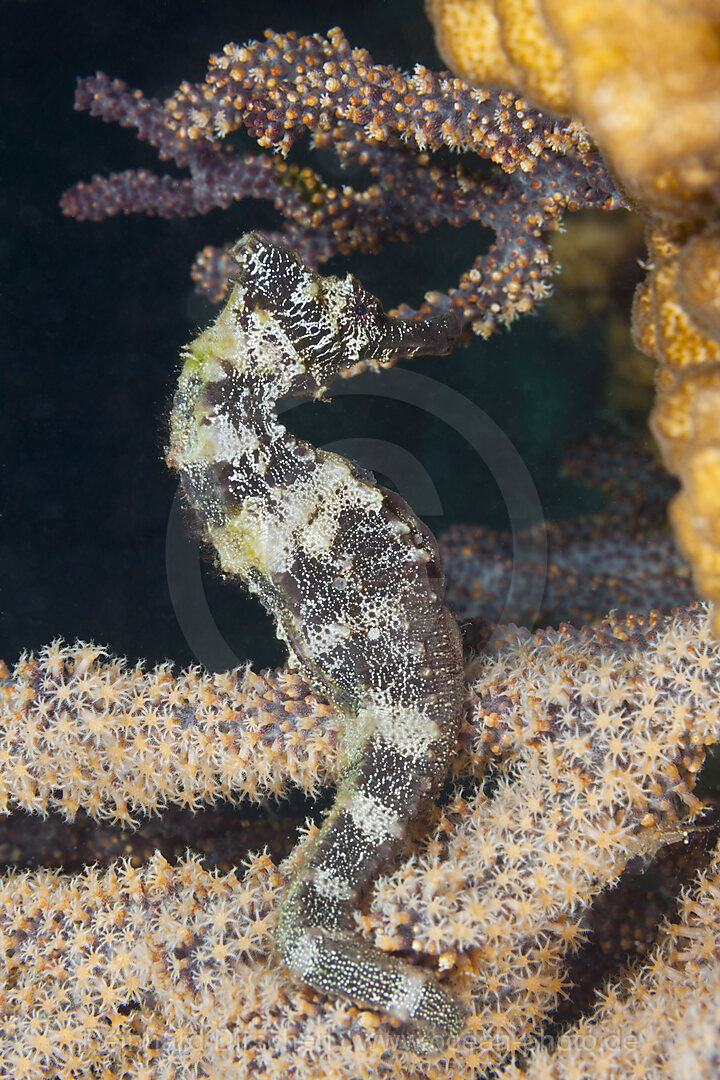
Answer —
(375, 115)
(597, 737)
(664, 1019)
(622, 558)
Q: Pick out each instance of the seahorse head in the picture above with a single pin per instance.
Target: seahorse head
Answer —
(332, 323)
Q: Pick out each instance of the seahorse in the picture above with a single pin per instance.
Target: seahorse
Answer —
(353, 580)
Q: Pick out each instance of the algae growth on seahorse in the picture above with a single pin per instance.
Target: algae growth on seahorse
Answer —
(353, 580)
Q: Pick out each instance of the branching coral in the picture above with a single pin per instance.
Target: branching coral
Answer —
(665, 1021)
(368, 114)
(205, 729)
(645, 79)
(595, 736)
(584, 58)
(621, 558)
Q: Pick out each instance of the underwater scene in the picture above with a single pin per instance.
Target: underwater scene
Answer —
(360, 540)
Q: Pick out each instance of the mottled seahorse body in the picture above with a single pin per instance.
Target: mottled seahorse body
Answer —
(354, 582)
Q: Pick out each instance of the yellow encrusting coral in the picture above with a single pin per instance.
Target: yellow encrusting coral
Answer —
(673, 319)
(643, 77)
(645, 80)
(501, 44)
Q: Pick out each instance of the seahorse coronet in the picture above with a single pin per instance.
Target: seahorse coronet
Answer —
(353, 581)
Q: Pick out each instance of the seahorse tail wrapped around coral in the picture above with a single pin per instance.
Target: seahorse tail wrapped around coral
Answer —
(376, 798)
(353, 580)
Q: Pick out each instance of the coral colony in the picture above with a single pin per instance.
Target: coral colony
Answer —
(286, 88)
(571, 751)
